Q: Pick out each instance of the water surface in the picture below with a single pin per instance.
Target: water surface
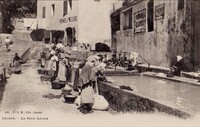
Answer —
(183, 96)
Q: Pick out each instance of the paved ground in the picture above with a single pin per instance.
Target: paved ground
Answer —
(26, 90)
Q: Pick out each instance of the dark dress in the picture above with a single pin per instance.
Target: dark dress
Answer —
(176, 69)
(17, 64)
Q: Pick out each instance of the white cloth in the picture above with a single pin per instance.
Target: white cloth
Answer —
(179, 58)
(7, 41)
(101, 66)
(53, 52)
(133, 55)
(133, 58)
(54, 58)
(100, 103)
(60, 46)
(43, 61)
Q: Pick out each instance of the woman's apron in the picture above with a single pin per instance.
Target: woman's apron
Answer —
(87, 95)
(61, 72)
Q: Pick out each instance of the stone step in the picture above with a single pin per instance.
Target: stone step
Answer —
(192, 75)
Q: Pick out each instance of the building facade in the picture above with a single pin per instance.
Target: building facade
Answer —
(83, 21)
(158, 30)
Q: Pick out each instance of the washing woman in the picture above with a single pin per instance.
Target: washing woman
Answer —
(87, 80)
(52, 65)
(17, 64)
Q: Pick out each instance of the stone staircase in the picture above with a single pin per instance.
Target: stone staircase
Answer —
(17, 47)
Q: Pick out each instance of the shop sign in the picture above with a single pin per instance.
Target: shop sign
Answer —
(69, 19)
(160, 12)
(140, 21)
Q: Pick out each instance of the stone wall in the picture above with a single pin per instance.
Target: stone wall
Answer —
(22, 35)
(124, 101)
(196, 18)
(172, 35)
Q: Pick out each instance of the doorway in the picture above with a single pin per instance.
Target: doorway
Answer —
(71, 39)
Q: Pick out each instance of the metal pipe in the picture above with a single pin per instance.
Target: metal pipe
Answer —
(145, 61)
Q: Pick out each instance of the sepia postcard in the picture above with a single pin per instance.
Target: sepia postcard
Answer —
(111, 63)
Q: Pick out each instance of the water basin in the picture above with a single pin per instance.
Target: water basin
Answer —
(183, 96)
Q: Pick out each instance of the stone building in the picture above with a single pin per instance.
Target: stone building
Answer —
(84, 21)
(159, 30)
(1, 20)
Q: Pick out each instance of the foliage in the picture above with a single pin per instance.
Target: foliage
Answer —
(11, 9)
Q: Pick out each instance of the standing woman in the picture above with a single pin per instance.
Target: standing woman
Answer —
(52, 65)
(86, 83)
(17, 64)
(64, 65)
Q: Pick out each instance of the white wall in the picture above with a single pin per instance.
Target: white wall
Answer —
(50, 21)
(94, 20)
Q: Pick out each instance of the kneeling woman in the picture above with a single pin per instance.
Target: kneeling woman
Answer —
(17, 64)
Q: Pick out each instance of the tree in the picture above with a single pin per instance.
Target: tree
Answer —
(11, 9)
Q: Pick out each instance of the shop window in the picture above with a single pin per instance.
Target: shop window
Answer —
(44, 12)
(52, 9)
(127, 19)
(65, 7)
(180, 4)
(150, 15)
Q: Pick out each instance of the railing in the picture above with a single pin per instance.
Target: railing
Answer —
(145, 61)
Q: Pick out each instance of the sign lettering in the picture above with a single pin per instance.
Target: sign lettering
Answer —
(160, 12)
(70, 19)
(140, 21)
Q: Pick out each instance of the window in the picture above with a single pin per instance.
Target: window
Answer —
(43, 12)
(65, 7)
(70, 4)
(52, 9)
(150, 15)
(115, 23)
(127, 19)
(180, 4)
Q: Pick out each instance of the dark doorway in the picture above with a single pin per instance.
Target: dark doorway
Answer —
(150, 15)
(71, 36)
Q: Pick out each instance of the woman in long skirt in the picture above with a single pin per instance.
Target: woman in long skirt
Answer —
(86, 83)
(52, 65)
(64, 65)
(17, 64)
